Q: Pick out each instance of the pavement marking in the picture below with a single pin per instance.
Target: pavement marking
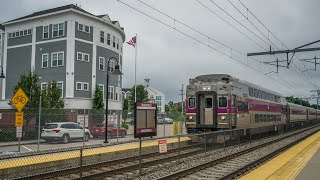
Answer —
(27, 148)
(288, 164)
(18, 162)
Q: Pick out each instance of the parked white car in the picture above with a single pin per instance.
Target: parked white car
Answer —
(64, 131)
(168, 120)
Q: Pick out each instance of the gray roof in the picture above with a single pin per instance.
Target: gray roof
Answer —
(57, 9)
(126, 89)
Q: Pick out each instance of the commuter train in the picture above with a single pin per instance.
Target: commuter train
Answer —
(220, 101)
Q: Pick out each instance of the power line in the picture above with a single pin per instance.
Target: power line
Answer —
(269, 31)
(203, 43)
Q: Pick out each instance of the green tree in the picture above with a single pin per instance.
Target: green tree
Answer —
(167, 108)
(142, 95)
(98, 106)
(52, 104)
(125, 108)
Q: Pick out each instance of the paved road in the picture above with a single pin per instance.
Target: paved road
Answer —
(167, 128)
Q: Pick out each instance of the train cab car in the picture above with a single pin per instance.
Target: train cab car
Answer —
(220, 101)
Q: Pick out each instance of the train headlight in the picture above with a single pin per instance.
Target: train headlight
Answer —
(190, 117)
(223, 117)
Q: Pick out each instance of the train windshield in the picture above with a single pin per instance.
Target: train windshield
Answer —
(208, 102)
(192, 102)
(223, 101)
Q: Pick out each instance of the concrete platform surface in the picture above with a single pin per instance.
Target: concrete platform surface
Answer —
(289, 164)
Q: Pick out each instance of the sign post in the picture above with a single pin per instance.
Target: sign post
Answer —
(19, 100)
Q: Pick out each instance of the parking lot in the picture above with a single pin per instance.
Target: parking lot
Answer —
(164, 130)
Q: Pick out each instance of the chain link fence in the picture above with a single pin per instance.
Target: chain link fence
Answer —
(135, 155)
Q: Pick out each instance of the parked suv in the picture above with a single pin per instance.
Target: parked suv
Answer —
(64, 131)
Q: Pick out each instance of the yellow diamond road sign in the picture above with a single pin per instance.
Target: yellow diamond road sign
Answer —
(20, 99)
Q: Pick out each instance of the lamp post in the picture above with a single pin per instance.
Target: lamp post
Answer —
(116, 71)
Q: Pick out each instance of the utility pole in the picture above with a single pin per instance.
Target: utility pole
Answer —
(182, 91)
(318, 92)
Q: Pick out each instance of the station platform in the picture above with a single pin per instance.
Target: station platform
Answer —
(56, 157)
(301, 161)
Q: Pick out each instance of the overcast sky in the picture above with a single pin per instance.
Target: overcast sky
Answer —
(170, 58)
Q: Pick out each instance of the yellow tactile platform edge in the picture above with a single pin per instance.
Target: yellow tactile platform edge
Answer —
(288, 164)
(12, 163)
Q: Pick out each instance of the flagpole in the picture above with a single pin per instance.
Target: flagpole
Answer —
(135, 71)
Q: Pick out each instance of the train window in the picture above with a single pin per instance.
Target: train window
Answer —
(192, 103)
(255, 93)
(259, 94)
(233, 101)
(242, 106)
(250, 91)
(223, 101)
(257, 117)
(208, 102)
(263, 95)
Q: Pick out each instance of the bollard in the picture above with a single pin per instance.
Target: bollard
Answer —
(173, 128)
(179, 128)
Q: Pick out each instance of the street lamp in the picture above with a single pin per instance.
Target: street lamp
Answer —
(2, 75)
(116, 71)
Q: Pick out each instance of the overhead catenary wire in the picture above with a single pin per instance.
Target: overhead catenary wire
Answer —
(269, 31)
(203, 43)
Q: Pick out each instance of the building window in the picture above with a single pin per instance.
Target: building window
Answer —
(108, 39)
(19, 33)
(86, 86)
(79, 56)
(57, 30)
(87, 29)
(111, 92)
(86, 57)
(158, 98)
(45, 60)
(57, 59)
(60, 87)
(117, 43)
(45, 32)
(101, 36)
(79, 86)
(111, 65)
(101, 63)
(101, 87)
(80, 27)
(44, 86)
(114, 41)
(117, 94)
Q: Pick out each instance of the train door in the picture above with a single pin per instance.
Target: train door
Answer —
(233, 111)
(207, 109)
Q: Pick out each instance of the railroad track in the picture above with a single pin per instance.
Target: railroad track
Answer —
(231, 166)
(95, 171)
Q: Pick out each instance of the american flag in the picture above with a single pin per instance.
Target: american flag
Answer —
(133, 41)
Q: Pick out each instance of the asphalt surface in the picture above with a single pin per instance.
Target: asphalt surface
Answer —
(163, 130)
(311, 170)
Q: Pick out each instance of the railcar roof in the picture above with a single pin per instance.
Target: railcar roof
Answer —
(226, 77)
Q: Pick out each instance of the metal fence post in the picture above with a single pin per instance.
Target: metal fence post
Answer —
(250, 131)
(179, 146)
(224, 139)
(39, 123)
(80, 169)
(205, 144)
(140, 149)
(84, 126)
